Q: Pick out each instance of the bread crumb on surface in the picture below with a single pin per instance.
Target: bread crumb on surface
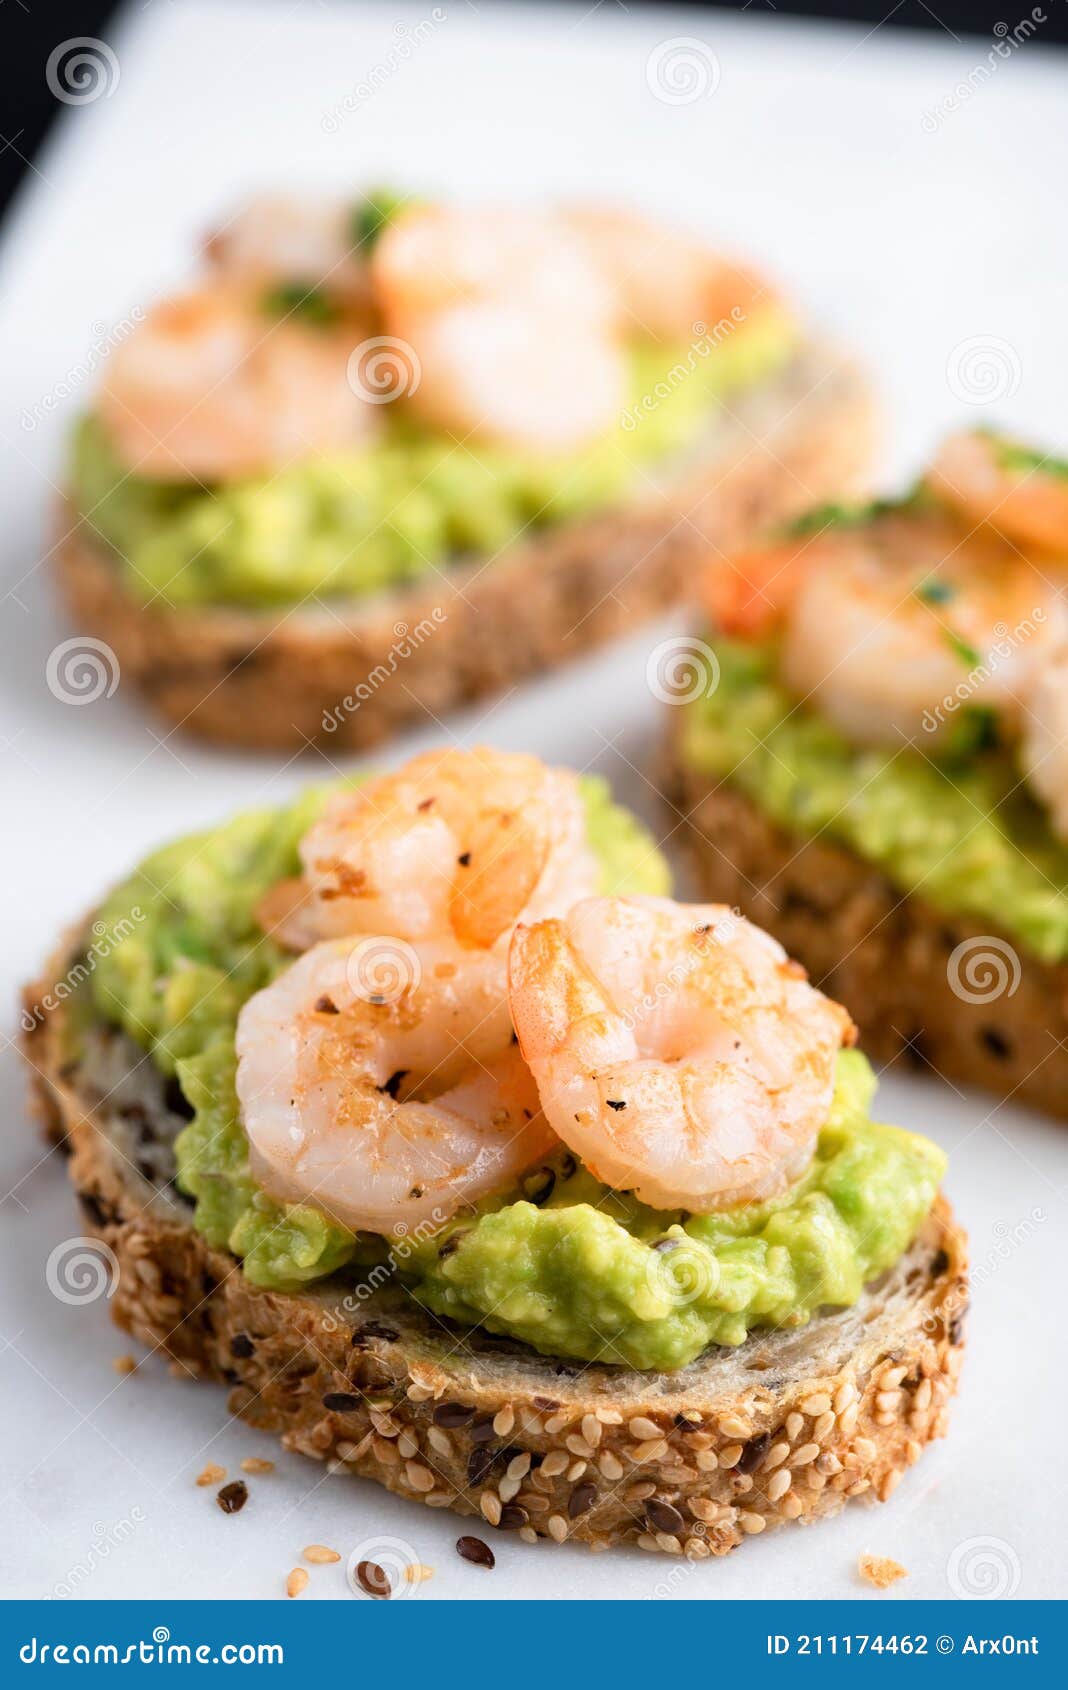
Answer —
(124, 1364)
(319, 1555)
(257, 1464)
(211, 1474)
(297, 1581)
(880, 1571)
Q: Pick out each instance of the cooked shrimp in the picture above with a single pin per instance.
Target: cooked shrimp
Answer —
(277, 239)
(1044, 740)
(210, 386)
(512, 327)
(1021, 493)
(665, 283)
(893, 625)
(385, 1110)
(676, 1048)
(456, 844)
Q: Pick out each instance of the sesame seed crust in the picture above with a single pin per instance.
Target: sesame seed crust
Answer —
(787, 1427)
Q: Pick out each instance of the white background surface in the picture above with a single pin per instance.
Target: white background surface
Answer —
(904, 237)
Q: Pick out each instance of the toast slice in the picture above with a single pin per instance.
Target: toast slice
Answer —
(788, 1426)
(892, 957)
(353, 672)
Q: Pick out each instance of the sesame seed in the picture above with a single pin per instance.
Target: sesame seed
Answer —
(555, 1462)
(670, 1545)
(704, 1509)
(733, 1427)
(556, 1526)
(912, 1451)
(385, 1451)
(212, 1474)
(776, 1456)
(892, 1376)
(865, 1449)
(890, 1483)
(654, 1450)
(887, 1401)
(419, 1477)
(645, 1541)
(490, 1505)
(847, 1419)
(791, 1506)
(610, 1465)
(640, 1491)
(439, 1441)
(922, 1397)
(319, 1555)
(508, 1489)
(591, 1430)
(297, 1581)
(418, 1392)
(504, 1420)
(794, 1423)
(730, 1456)
(885, 1417)
(124, 1364)
(802, 1456)
(578, 1446)
(609, 1416)
(519, 1466)
(408, 1443)
(642, 1429)
(824, 1426)
(816, 1405)
(778, 1484)
(528, 1534)
(705, 1460)
(554, 1424)
(843, 1396)
(257, 1464)
(417, 1573)
(576, 1470)
(384, 1426)
(751, 1524)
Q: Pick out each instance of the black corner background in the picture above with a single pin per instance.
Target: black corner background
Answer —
(29, 32)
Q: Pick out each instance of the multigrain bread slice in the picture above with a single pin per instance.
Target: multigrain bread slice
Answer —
(915, 979)
(353, 672)
(786, 1427)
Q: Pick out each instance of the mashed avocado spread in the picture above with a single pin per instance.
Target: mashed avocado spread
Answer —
(560, 1263)
(963, 833)
(356, 523)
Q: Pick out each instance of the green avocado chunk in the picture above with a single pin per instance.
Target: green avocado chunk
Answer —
(961, 832)
(352, 524)
(179, 950)
(592, 1273)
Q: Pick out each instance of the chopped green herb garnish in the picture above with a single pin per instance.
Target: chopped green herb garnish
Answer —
(961, 648)
(974, 729)
(1024, 459)
(934, 591)
(302, 299)
(370, 217)
(852, 516)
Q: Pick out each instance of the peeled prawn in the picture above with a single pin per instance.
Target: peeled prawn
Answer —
(1019, 492)
(675, 1047)
(381, 1084)
(210, 386)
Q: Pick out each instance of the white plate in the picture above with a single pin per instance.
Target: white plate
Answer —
(930, 238)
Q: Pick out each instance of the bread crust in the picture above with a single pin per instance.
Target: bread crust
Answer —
(787, 1427)
(887, 954)
(353, 674)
